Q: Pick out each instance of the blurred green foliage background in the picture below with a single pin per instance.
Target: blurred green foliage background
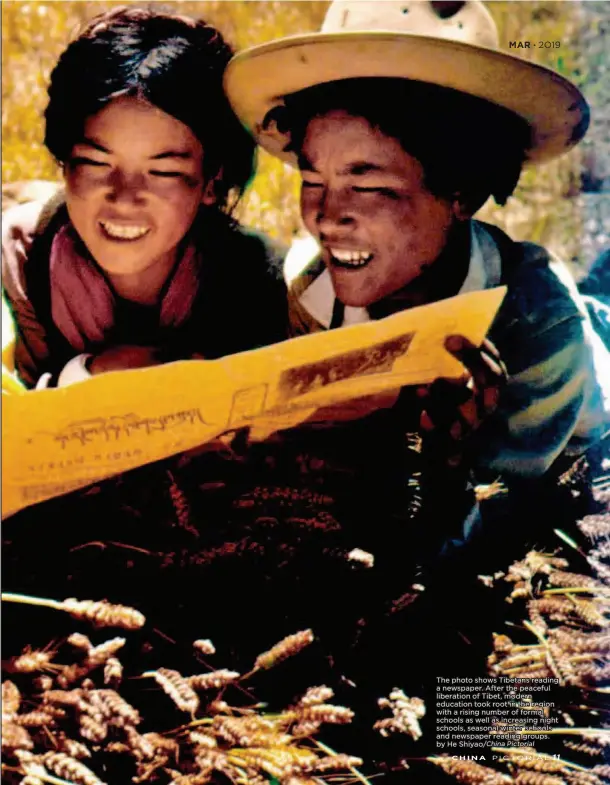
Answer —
(546, 207)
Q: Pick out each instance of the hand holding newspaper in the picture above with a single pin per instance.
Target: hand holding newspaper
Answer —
(55, 441)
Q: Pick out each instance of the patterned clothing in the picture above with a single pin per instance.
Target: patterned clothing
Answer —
(557, 400)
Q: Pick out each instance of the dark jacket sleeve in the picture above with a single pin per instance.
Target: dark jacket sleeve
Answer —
(553, 403)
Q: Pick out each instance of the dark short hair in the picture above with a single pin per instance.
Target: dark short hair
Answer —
(465, 145)
(172, 61)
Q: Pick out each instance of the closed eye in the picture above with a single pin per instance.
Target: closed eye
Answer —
(308, 184)
(81, 160)
(379, 190)
(157, 173)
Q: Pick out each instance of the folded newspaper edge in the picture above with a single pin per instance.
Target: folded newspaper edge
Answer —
(55, 441)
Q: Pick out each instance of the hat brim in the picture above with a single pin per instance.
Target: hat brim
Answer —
(257, 79)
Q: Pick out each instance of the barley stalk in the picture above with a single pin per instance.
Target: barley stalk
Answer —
(177, 687)
(41, 775)
(287, 647)
(11, 698)
(213, 680)
(329, 751)
(98, 655)
(104, 614)
(204, 646)
(79, 641)
(315, 696)
(27, 600)
(536, 778)
(113, 671)
(67, 767)
(101, 613)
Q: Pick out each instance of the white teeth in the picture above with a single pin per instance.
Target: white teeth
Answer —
(354, 258)
(124, 232)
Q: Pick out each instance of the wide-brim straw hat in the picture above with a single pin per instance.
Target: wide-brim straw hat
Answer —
(451, 44)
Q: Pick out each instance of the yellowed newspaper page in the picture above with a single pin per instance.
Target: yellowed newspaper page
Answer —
(57, 440)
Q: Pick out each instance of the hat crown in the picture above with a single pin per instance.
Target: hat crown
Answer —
(468, 22)
(447, 43)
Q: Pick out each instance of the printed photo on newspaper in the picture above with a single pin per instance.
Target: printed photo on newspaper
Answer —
(57, 440)
(306, 392)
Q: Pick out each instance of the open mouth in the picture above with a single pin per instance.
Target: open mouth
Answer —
(127, 232)
(349, 260)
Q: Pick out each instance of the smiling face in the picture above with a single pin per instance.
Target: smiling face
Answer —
(134, 184)
(364, 198)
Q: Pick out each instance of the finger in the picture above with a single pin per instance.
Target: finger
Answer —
(491, 398)
(470, 415)
(456, 343)
(483, 366)
(491, 349)
(467, 419)
(489, 388)
(469, 354)
(426, 423)
(43, 382)
(495, 364)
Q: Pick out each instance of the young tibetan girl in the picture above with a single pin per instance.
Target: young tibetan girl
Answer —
(139, 262)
